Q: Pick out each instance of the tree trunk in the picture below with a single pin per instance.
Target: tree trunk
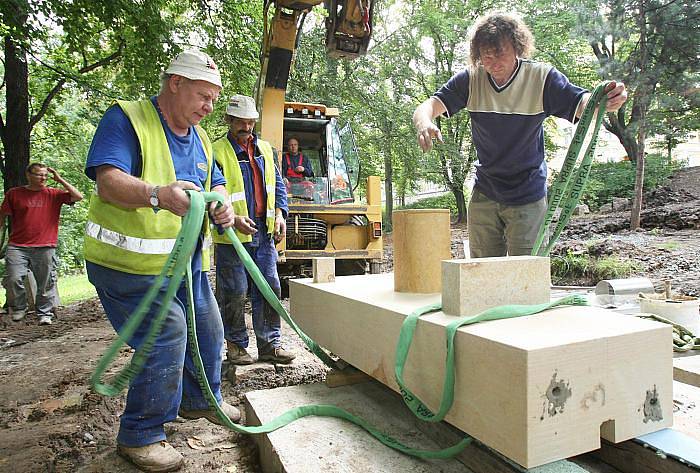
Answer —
(638, 185)
(461, 205)
(16, 131)
(641, 98)
(388, 186)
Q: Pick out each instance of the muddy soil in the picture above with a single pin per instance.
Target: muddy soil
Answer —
(50, 421)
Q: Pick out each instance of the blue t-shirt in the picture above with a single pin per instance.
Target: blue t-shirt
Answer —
(506, 125)
(115, 143)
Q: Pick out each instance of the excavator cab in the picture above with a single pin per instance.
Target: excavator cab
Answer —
(334, 160)
(325, 217)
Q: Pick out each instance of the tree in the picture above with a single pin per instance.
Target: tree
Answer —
(51, 44)
(654, 47)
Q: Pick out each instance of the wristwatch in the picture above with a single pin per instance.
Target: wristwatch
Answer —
(153, 199)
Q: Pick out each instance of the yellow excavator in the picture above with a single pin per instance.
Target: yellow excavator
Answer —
(325, 219)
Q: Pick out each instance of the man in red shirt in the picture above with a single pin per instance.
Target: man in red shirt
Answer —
(34, 211)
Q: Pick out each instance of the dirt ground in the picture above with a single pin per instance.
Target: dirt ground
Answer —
(50, 421)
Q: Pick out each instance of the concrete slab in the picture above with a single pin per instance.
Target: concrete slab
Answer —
(687, 370)
(322, 444)
(325, 444)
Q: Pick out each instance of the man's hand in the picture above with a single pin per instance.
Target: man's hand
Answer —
(423, 122)
(173, 197)
(245, 225)
(222, 214)
(75, 194)
(54, 174)
(426, 133)
(280, 228)
(617, 95)
(299, 169)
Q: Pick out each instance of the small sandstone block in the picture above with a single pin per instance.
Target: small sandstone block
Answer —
(323, 269)
(470, 286)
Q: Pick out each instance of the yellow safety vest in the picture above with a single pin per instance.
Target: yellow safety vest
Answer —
(138, 241)
(228, 161)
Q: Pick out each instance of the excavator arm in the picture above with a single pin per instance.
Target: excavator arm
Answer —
(348, 31)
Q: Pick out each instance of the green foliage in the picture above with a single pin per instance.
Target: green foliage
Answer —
(582, 269)
(445, 201)
(608, 180)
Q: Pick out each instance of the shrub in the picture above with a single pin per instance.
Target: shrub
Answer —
(445, 201)
(583, 269)
(608, 180)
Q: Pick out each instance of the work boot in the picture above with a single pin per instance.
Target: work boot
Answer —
(277, 355)
(17, 315)
(237, 355)
(45, 320)
(210, 414)
(158, 457)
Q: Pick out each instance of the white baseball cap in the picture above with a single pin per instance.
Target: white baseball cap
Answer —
(195, 65)
(242, 106)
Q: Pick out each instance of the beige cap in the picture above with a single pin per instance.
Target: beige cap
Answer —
(242, 106)
(195, 65)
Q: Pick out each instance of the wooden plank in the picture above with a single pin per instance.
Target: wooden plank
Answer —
(348, 375)
(632, 457)
(536, 389)
(687, 370)
(522, 280)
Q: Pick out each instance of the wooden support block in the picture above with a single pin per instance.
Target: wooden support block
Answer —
(632, 457)
(344, 377)
(687, 370)
(323, 269)
(470, 286)
(536, 389)
(421, 242)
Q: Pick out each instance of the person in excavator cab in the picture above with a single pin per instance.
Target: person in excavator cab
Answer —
(294, 164)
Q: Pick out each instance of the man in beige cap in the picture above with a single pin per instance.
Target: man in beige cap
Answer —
(259, 199)
(143, 157)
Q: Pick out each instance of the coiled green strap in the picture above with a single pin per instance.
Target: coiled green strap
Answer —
(566, 192)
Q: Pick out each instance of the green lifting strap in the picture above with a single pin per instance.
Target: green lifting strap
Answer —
(568, 187)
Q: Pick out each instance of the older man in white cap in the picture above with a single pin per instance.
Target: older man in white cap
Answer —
(259, 199)
(143, 157)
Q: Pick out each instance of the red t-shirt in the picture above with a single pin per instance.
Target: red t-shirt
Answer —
(34, 215)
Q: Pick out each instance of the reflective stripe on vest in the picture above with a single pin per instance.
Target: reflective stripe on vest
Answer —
(228, 161)
(145, 246)
(237, 197)
(122, 239)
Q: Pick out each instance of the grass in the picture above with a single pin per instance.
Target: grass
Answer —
(669, 245)
(73, 288)
(586, 270)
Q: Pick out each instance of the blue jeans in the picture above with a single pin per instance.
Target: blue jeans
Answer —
(163, 386)
(233, 284)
